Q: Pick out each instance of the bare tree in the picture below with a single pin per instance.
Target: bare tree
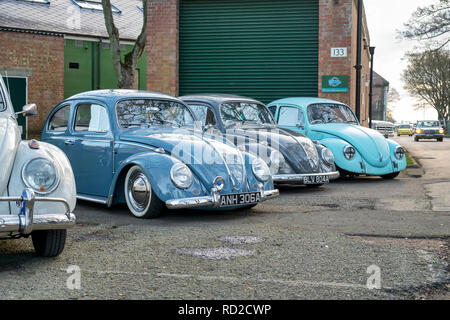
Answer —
(431, 23)
(393, 96)
(427, 78)
(125, 69)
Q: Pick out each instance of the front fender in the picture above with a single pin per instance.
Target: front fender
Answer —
(252, 181)
(337, 147)
(157, 167)
(392, 146)
(66, 188)
(325, 167)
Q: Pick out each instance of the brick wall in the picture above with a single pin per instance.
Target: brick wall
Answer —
(162, 46)
(42, 57)
(335, 30)
(338, 28)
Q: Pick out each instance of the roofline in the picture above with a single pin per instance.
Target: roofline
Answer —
(42, 32)
(58, 34)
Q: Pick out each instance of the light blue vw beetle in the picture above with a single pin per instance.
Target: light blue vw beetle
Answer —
(357, 150)
(141, 148)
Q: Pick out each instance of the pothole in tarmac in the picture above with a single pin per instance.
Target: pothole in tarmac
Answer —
(241, 239)
(216, 253)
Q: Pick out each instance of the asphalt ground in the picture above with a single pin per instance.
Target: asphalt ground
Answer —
(324, 243)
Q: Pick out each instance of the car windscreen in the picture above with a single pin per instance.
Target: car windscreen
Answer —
(428, 124)
(330, 113)
(152, 112)
(243, 112)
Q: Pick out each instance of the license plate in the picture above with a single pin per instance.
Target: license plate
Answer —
(316, 179)
(228, 200)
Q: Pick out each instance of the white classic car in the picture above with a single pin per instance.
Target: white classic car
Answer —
(37, 185)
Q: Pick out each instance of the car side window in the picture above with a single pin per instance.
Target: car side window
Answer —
(91, 118)
(60, 120)
(203, 114)
(291, 117)
(273, 110)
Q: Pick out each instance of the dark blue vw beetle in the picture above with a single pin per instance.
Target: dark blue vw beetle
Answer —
(141, 148)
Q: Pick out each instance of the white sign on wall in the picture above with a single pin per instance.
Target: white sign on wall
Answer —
(338, 52)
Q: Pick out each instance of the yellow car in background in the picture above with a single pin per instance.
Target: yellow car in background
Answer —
(404, 129)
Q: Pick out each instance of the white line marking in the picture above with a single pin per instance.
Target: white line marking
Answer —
(235, 279)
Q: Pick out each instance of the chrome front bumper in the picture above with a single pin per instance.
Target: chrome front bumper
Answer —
(298, 178)
(26, 221)
(213, 200)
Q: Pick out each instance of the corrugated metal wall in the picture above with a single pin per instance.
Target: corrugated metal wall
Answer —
(258, 48)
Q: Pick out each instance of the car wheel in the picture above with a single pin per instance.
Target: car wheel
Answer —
(391, 176)
(416, 139)
(139, 195)
(440, 140)
(49, 243)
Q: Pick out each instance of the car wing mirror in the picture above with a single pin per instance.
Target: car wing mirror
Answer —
(299, 125)
(28, 110)
(207, 127)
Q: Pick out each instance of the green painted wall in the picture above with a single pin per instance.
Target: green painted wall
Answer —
(86, 55)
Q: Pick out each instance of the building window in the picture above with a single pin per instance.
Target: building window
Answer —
(94, 5)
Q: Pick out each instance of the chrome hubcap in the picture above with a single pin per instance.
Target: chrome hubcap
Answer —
(139, 191)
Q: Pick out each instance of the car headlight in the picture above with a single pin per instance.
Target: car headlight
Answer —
(349, 152)
(181, 175)
(40, 175)
(327, 156)
(441, 131)
(418, 131)
(276, 161)
(399, 153)
(260, 170)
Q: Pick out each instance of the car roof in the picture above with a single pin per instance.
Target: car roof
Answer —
(113, 95)
(216, 98)
(305, 101)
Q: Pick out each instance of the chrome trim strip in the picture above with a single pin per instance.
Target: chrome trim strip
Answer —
(135, 145)
(298, 178)
(213, 201)
(95, 199)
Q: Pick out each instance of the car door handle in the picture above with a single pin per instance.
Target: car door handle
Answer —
(69, 142)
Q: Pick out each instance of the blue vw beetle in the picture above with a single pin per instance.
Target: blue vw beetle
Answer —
(357, 150)
(141, 148)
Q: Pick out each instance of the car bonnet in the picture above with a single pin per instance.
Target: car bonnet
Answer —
(207, 158)
(287, 142)
(371, 144)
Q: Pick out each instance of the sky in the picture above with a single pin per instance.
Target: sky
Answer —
(384, 18)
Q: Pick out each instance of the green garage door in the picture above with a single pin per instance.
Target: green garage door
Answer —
(263, 49)
(18, 93)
